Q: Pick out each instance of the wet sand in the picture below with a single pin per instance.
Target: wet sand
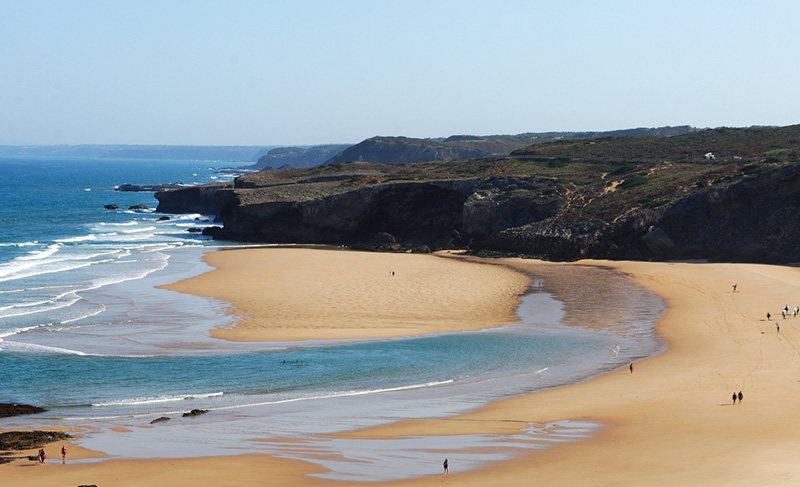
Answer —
(670, 422)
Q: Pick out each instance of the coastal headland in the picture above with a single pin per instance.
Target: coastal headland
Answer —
(669, 421)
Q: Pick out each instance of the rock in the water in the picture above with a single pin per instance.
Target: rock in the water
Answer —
(111, 207)
(8, 410)
(195, 412)
(161, 419)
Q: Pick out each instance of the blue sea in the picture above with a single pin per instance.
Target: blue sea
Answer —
(86, 333)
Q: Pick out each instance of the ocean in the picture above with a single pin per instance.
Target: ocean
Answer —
(86, 334)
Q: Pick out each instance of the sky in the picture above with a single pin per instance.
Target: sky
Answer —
(306, 72)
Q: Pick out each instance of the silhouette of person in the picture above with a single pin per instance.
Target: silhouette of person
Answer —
(631, 367)
(446, 465)
(741, 396)
(734, 398)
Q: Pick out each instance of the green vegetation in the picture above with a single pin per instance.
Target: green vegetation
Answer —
(598, 178)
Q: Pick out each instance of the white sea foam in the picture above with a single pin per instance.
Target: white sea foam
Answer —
(140, 230)
(22, 275)
(59, 302)
(33, 348)
(15, 331)
(44, 262)
(125, 224)
(336, 394)
(27, 289)
(41, 254)
(138, 401)
(84, 238)
(96, 311)
(19, 244)
(15, 267)
(307, 397)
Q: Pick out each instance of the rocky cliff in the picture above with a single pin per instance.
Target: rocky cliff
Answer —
(752, 220)
(193, 199)
(743, 208)
(433, 214)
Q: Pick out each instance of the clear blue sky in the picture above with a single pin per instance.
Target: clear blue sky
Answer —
(310, 72)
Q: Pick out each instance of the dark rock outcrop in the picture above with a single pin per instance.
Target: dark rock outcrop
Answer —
(436, 214)
(194, 199)
(195, 412)
(753, 220)
(7, 410)
(111, 207)
(29, 440)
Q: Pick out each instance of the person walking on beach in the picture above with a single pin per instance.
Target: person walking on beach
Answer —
(63, 454)
(741, 396)
(768, 315)
(446, 465)
(734, 398)
(631, 367)
(41, 456)
(734, 288)
(778, 326)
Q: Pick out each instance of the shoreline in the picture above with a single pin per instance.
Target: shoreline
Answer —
(669, 421)
(399, 295)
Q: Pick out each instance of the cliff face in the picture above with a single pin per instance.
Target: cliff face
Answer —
(615, 198)
(752, 220)
(193, 199)
(436, 214)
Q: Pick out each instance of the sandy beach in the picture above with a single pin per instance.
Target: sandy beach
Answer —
(669, 422)
(314, 294)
